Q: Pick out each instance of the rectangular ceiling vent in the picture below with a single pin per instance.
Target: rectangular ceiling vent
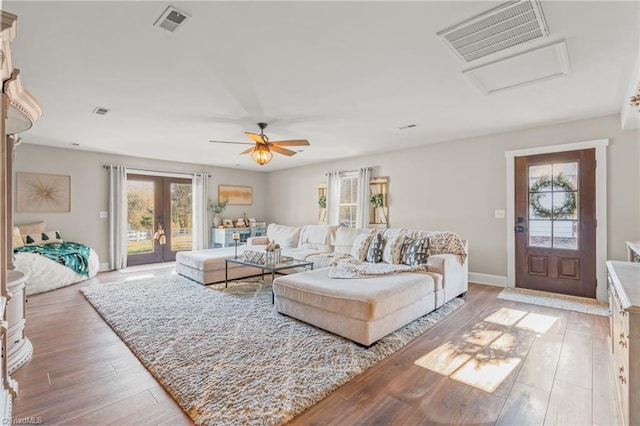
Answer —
(172, 19)
(500, 28)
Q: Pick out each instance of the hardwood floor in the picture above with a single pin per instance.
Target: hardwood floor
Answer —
(491, 362)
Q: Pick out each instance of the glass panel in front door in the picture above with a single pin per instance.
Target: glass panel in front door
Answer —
(553, 201)
(181, 226)
(140, 216)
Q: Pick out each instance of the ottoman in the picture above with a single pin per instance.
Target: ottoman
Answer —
(363, 310)
(207, 266)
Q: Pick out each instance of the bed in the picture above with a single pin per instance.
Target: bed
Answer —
(74, 262)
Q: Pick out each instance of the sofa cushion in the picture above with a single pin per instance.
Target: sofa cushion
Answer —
(17, 238)
(286, 236)
(374, 254)
(364, 299)
(32, 228)
(345, 237)
(415, 251)
(318, 237)
(206, 260)
(40, 238)
(393, 247)
(361, 246)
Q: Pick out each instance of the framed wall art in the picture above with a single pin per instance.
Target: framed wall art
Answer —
(43, 193)
(237, 195)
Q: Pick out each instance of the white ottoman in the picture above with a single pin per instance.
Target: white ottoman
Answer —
(362, 310)
(207, 266)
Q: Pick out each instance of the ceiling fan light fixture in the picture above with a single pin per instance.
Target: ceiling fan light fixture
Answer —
(261, 154)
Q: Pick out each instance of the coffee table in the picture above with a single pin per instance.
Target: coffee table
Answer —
(274, 268)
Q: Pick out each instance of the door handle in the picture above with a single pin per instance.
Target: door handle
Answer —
(519, 228)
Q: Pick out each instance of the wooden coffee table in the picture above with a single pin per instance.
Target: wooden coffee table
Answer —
(273, 269)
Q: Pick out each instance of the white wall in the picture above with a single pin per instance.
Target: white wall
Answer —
(457, 186)
(90, 189)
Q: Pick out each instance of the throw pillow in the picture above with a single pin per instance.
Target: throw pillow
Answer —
(17, 238)
(42, 238)
(361, 246)
(374, 254)
(415, 251)
(393, 248)
(32, 228)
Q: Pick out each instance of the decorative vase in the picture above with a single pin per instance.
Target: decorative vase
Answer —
(217, 220)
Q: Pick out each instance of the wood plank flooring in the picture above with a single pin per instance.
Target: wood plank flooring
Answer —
(508, 371)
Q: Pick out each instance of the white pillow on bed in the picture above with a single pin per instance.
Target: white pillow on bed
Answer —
(40, 238)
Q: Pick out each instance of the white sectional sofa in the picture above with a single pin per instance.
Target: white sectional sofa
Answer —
(360, 309)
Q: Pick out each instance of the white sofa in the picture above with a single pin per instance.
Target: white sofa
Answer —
(362, 310)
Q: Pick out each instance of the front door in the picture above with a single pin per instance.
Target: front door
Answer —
(157, 205)
(555, 225)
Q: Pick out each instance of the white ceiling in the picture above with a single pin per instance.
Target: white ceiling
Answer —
(343, 75)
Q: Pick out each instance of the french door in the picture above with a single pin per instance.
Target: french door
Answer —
(555, 229)
(157, 205)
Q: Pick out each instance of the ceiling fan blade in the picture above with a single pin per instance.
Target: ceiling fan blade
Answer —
(257, 138)
(248, 150)
(235, 143)
(297, 142)
(283, 151)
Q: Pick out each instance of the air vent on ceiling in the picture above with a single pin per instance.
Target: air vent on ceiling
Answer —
(503, 27)
(100, 110)
(172, 19)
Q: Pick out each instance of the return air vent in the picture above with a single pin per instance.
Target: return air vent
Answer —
(172, 19)
(503, 27)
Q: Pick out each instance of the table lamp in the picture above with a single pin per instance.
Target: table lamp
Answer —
(235, 236)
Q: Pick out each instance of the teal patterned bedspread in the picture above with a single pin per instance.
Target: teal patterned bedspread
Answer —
(71, 255)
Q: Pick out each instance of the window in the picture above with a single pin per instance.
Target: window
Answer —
(348, 200)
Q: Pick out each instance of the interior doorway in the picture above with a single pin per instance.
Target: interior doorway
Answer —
(157, 205)
(555, 222)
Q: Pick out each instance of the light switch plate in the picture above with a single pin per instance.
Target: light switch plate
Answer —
(499, 214)
(104, 215)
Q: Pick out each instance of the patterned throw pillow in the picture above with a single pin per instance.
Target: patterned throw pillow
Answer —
(374, 254)
(393, 248)
(361, 246)
(17, 238)
(415, 251)
(42, 238)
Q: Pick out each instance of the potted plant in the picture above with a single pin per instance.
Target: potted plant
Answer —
(217, 208)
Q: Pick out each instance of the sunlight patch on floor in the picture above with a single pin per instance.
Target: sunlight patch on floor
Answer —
(485, 356)
(486, 374)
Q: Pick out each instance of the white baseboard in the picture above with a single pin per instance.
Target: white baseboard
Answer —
(104, 266)
(496, 280)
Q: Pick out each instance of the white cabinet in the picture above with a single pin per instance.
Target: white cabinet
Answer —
(19, 348)
(223, 237)
(624, 302)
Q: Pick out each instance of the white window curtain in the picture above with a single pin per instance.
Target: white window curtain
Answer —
(362, 211)
(333, 197)
(118, 229)
(199, 208)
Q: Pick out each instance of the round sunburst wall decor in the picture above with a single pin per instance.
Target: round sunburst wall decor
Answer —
(43, 193)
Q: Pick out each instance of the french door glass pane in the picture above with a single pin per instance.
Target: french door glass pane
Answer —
(569, 172)
(140, 217)
(564, 205)
(181, 230)
(538, 173)
(543, 199)
(565, 234)
(540, 233)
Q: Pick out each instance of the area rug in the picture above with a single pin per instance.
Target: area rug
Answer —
(227, 357)
(553, 300)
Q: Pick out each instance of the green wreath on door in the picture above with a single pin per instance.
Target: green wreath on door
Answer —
(568, 208)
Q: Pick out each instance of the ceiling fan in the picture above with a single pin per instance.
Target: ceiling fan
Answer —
(261, 151)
